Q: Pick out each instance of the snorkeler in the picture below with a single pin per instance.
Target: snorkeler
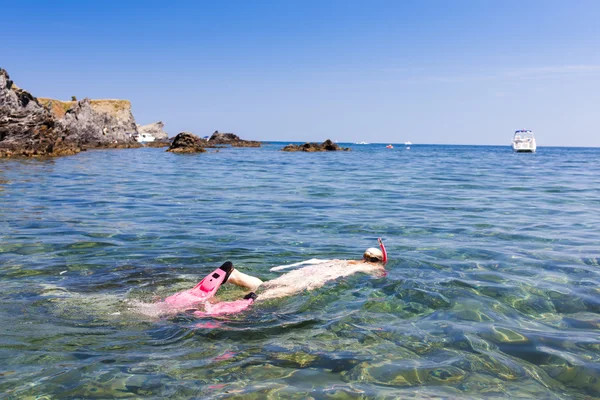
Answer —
(314, 274)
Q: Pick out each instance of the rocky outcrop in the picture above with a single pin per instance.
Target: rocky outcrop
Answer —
(46, 127)
(327, 145)
(101, 123)
(95, 123)
(26, 127)
(231, 139)
(187, 142)
(155, 129)
(223, 138)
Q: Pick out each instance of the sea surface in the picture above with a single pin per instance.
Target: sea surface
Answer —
(492, 288)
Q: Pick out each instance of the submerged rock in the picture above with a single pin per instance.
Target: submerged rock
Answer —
(327, 145)
(155, 129)
(231, 139)
(187, 142)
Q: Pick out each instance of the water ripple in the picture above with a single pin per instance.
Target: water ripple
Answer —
(491, 290)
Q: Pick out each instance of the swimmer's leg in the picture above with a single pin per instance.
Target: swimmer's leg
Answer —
(227, 307)
(244, 280)
(203, 290)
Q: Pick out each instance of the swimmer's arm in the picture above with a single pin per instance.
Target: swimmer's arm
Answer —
(312, 261)
(244, 280)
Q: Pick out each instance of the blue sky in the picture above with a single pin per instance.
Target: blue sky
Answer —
(444, 72)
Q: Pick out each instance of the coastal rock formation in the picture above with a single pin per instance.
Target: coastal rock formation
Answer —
(155, 129)
(31, 126)
(223, 138)
(231, 139)
(187, 142)
(26, 127)
(327, 145)
(101, 123)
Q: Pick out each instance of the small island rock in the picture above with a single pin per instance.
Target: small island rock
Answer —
(327, 145)
(231, 139)
(187, 142)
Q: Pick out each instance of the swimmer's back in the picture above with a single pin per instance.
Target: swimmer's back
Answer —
(311, 277)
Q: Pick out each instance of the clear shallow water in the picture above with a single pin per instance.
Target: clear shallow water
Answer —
(492, 287)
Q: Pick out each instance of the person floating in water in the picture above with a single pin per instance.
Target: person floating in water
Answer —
(312, 274)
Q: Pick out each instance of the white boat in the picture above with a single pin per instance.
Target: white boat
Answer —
(523, 141)
(407, 143)
(361, 143)
(145, 137)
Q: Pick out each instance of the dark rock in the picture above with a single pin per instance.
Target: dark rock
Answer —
(46, 127)
(327, 145)
(223, 138)
(231, 139)
(26, 127)
(187, 142)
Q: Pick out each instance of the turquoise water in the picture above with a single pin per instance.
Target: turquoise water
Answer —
(492, 287)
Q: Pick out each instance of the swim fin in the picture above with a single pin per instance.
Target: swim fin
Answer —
(215, 279)
(204, 290)
(227, 307)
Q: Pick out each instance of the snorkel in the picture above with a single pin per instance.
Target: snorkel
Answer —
(382, 246)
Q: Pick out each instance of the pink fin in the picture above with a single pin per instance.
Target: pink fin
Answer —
(226, 307)
(203, 290)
